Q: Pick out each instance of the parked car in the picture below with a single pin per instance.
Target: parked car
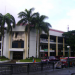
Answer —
(53, 58)
(44, 60)
(58, 57)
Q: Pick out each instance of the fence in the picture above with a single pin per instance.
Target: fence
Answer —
(11, 69)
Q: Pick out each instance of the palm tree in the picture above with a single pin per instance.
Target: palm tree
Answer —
(40, 26)
(26, 19)
(10, 21)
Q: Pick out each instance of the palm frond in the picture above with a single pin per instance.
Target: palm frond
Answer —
(13, 21)
(48, 24)
(31, 10)
(3, 22)
(35, 15)
(22, 14)
(43, 17)
(22, 21)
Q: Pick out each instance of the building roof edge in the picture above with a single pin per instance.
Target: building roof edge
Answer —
(56, 30)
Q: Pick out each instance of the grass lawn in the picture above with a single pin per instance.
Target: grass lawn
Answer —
(30, 60)
(2, 58)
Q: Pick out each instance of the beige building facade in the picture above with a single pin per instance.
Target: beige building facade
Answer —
(16, 44)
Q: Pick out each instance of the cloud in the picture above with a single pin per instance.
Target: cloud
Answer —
(62, 23)
(60, 12)
(71, 13)
(15, 6)
(39, 5)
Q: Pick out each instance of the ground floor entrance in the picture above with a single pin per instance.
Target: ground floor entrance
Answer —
(42, 54)
(17, 55)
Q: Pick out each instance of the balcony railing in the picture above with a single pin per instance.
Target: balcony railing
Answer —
(51, 41)
(16, 49)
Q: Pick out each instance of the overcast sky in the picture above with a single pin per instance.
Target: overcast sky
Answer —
(61, 13)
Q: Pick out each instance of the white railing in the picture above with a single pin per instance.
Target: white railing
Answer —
(16, 49)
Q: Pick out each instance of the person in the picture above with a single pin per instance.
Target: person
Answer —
(33, 60)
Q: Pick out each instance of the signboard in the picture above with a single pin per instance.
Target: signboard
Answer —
(45, 49)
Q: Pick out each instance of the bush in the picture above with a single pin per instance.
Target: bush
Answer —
(3, 57)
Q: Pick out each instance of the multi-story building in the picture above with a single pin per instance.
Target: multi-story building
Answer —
(16, 44)
(55, 41)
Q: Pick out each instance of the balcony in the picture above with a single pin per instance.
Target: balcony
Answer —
(51, 41)
(16, 49)
(46, 41)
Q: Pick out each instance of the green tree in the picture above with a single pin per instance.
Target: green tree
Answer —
(10, 21)
(40, 26)
(26, 19)
(70, 39)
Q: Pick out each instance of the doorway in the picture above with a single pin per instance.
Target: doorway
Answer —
(17, 55)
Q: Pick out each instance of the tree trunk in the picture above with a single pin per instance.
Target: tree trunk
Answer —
(28, 39)
(39, 46)
(36, 45)
(36, 41)
(2, 44)
(2, 30)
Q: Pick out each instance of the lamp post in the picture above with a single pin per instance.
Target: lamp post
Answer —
(68, 54)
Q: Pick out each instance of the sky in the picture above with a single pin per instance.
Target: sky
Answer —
(61, 13)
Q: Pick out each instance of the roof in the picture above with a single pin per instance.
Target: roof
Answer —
(57, 30)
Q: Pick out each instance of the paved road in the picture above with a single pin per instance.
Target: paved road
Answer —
(64, 71)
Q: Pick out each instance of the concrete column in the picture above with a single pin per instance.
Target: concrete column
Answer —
(49, 45)
(63, 47)
(56, 45)
(9, 45)
(25, 46)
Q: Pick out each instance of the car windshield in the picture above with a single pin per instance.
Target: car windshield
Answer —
(51, 57)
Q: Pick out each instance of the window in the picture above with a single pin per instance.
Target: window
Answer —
(0, 38)
(0, 45)
(18, 44)
(18, 40)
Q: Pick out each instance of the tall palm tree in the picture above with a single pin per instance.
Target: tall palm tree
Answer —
(10, 21)
(26, 19)
(40, 26)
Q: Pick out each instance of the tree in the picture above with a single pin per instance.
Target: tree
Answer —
(40, 26)
(10, 21)
(26, 19)
(70, 39)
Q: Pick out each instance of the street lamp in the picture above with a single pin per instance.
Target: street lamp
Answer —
(68, 54)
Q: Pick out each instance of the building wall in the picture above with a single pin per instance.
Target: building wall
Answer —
(11, 55)
(19, 28)
(6, 45)
(55, 33)
(32, 51)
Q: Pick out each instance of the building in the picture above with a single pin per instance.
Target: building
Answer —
(55, 43)
(16, 45)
